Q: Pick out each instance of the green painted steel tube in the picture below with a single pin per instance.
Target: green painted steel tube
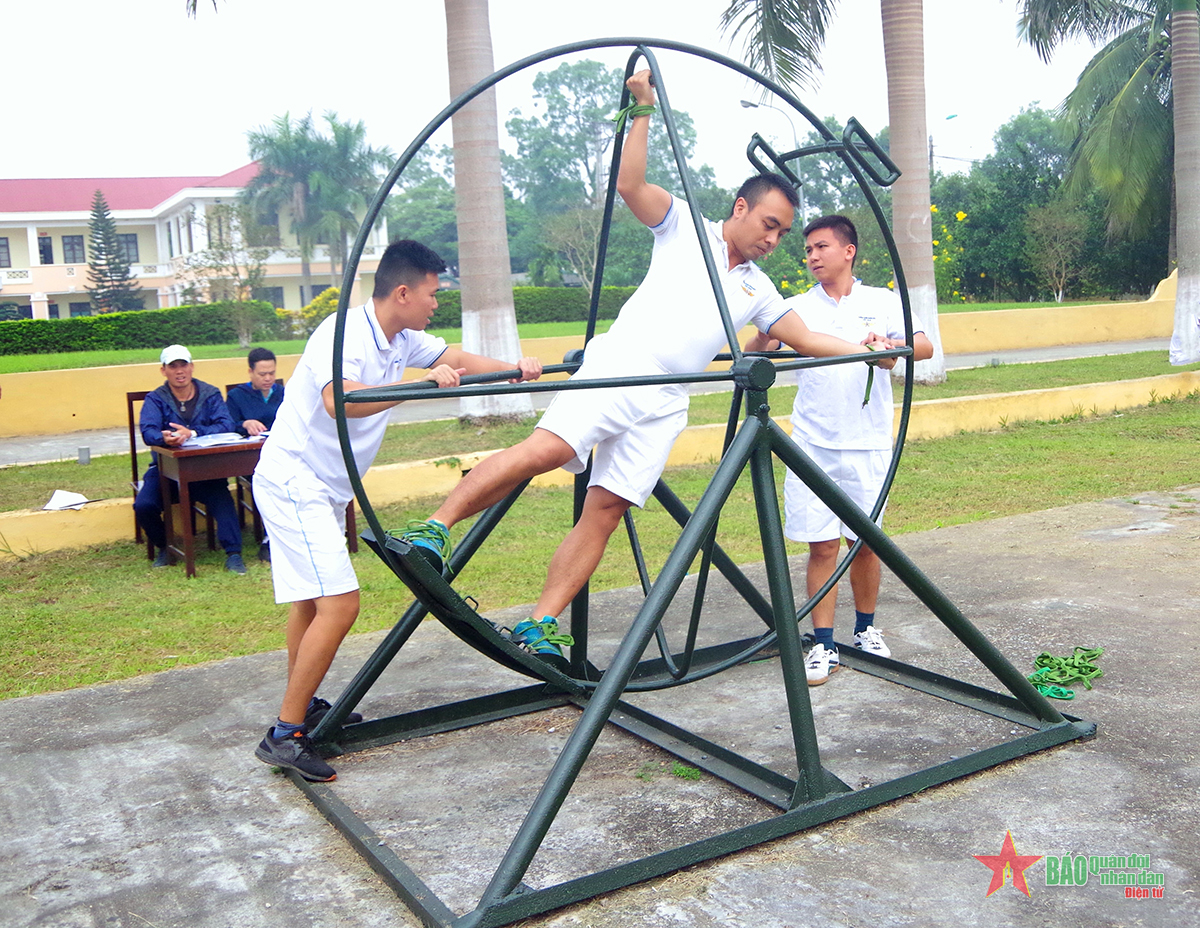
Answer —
(810, 785)
(912, 577)
(610, 689)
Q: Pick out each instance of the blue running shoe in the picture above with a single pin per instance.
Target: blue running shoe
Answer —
(431, 539)
(540, 638)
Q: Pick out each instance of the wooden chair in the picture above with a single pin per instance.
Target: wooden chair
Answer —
(138, 396)
(245, 503)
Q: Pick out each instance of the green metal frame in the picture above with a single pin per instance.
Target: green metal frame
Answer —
(816, 795)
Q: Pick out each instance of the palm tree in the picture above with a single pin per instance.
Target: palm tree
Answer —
(290, 155)
(784, 40)
(489, 321)
(345, 184)
(1136, 113)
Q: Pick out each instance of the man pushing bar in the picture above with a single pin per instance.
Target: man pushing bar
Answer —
(671, 325)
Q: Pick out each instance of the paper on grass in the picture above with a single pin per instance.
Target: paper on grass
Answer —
(65, 499)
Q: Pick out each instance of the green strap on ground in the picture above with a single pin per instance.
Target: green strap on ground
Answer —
(1055, 674)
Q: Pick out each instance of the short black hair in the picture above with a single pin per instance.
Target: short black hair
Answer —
(840, 226)
(757, 186)
(405, 262)
(260, 354)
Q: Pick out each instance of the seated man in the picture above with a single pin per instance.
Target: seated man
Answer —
(178, 410)
(253, 406)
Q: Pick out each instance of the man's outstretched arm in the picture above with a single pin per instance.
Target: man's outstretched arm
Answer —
(648, 202)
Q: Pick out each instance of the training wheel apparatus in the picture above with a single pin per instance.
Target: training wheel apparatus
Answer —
(752, 440)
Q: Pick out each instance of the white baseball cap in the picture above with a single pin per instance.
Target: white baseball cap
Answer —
(174, 353)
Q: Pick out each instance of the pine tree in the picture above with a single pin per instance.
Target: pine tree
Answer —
(110, 283)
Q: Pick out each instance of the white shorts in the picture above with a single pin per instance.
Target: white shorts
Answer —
(632, 430)
(858, 473)
(307, 527)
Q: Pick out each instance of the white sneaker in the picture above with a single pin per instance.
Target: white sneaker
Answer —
(870, 639)
(820, 663)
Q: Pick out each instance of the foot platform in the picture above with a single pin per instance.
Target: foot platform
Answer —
(460, 616)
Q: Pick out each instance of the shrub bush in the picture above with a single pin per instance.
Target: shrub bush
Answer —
(207, 324)
(539, 304)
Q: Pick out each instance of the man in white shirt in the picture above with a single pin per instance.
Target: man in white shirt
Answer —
(846, 431)
(670, 325)
(301, 486)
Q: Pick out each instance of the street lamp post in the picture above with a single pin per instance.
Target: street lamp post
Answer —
(753, 106)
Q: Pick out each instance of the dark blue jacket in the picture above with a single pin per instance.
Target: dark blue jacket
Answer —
(245, 402)
(161, 408)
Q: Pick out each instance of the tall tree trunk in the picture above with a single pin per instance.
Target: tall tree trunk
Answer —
(904, 58)
(1185, 92)
(300, 217)
(489, 322)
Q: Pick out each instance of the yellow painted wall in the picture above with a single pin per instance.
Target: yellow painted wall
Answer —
(95, 398)
(34, 531)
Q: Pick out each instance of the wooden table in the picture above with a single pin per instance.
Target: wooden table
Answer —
(184, 465)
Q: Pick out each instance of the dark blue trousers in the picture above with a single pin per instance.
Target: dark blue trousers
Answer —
(214, 494)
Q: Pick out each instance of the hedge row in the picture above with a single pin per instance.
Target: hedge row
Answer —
(539, 304)
(218, 323)
(207, 324)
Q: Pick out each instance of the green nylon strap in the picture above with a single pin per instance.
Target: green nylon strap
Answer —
(1053, 674)
(870, 379)
(634, 109)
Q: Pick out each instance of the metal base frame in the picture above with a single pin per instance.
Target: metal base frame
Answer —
(814, 797)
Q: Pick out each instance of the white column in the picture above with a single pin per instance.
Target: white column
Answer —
(35, 256)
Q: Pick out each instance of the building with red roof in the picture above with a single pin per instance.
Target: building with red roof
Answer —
(162, 226)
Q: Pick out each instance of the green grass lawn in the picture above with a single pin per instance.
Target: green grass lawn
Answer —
(74, 618)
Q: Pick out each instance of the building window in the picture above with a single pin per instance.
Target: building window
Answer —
(273, 295)
(46, 249)
(127, 242)
(73, 252)
(5, 256)
(316, 290)
(51, 310)
(80, 309)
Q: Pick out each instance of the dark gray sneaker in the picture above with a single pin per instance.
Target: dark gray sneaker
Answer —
(163, 558)
(234, 563)
(294, 752)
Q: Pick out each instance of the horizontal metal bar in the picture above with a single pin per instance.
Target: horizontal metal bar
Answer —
(448, 717)
(836, 806)
(721, 762)
(417, 391)
(423, 901)
(1000, 705)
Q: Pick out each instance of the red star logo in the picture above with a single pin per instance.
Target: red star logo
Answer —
(1007, 860)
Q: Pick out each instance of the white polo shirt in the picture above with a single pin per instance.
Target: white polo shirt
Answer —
(672, 319)
(304, 435)
(829, 409)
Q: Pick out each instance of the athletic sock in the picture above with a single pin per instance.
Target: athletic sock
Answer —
(824, 636)
(284, 729)
(862, 620)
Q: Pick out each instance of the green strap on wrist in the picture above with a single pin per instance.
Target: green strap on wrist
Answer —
(634, 109)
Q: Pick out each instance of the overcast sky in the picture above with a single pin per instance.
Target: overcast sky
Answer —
(135, 88)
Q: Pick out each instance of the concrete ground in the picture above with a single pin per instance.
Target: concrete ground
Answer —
(36, 449)
(140, 803)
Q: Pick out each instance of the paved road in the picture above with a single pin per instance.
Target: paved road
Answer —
(66, 447)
